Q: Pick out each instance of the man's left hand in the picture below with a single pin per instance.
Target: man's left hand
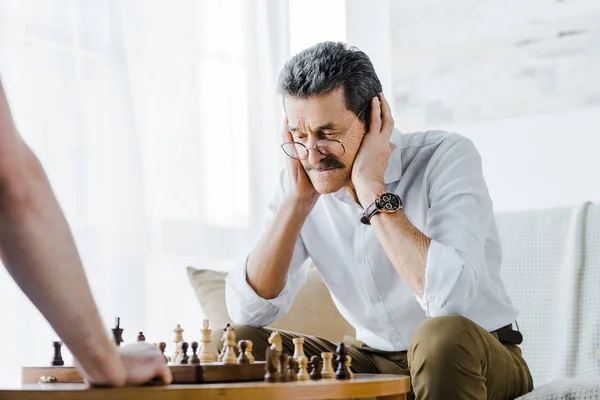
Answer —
(374, 154)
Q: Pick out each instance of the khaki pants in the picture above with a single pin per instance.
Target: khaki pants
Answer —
(449, 357)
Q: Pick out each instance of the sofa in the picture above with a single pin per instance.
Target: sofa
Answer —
(551, 269)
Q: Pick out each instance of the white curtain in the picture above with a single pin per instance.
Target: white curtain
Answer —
(158, 124)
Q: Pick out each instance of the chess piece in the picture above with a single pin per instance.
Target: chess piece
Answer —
(327, 372)
(229, 344)
(348, 363)
(183, 357)
(243, 357)
(291, 369)
(249, 351)
(275, 341)
(118, 332)
(206, 353)
(141, 337)
(298, 348)
(195, 360)
(222, 352)
(303, 373)
(342, 370)
(162, 346)
(315, 374)
(57, 359)
(177, 339)
(270, 366)
(281, 367)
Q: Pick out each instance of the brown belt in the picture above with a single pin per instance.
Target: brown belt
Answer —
(507, 335)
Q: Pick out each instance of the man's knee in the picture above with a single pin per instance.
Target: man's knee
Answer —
(443, 337)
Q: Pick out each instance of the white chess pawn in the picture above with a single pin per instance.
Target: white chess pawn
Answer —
(303, 374)
(348, 363)
(327, 372)
(298, 348)
(206, 353)
(249, 351)
(229, 356)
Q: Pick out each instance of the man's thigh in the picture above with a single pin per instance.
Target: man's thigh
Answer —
(313, 345)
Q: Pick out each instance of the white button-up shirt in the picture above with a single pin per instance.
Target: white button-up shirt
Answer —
(438, 176)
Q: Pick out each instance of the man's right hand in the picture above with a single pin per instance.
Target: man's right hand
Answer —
(301, 188)
(140, 364)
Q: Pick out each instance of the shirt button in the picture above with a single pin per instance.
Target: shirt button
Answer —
(361, 260)
(375, 300)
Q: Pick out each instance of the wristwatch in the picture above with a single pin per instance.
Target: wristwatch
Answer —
(386, 202)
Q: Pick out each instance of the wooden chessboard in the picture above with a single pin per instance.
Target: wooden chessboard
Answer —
(203, 373)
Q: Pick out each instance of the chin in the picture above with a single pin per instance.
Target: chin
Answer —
(326, 184)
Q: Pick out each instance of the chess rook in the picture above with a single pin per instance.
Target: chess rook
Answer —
(298, 348)
(57, 359)
(327, 372)
(282, 367)
(270, 366)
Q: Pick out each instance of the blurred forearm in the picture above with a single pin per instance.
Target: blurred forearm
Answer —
(38, 249)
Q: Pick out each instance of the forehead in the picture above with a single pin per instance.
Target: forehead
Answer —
(317, 110)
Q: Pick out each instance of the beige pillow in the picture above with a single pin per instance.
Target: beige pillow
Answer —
(313, 311)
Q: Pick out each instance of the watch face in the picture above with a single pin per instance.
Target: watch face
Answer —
(389, 202)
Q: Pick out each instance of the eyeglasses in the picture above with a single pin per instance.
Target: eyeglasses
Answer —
(327, 147)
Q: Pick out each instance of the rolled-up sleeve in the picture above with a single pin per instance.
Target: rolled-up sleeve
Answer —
(244, 305)
(458, 223)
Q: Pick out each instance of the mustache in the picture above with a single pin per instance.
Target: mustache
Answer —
(326, 163)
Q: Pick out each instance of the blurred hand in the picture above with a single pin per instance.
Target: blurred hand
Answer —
(142, 363)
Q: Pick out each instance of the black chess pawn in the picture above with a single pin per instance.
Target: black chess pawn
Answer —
(281, 368)
(315, 363)
(243, 357)
(291, 370)
(118, 332)
(162, 346)
(342, 372)
(184, 357)
(141, 337)
(195, 360)
(57, 359)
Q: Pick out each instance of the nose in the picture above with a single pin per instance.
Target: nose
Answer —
(314, 155)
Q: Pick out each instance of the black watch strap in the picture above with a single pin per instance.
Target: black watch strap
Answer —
(369, 213)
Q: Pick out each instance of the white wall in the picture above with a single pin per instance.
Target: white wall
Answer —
(522, 85)
(539, 161)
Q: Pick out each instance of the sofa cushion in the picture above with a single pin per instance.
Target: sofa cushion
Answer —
(566, 389)
(313, 311)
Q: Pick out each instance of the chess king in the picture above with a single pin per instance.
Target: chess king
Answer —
(400, 227)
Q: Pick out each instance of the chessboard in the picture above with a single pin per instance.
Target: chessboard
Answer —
(233, 363)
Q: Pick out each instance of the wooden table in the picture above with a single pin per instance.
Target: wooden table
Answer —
(383, 387)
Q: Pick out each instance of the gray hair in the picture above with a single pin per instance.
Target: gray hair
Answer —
(326, 66)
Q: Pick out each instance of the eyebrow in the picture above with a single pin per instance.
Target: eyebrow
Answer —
(325, 127)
